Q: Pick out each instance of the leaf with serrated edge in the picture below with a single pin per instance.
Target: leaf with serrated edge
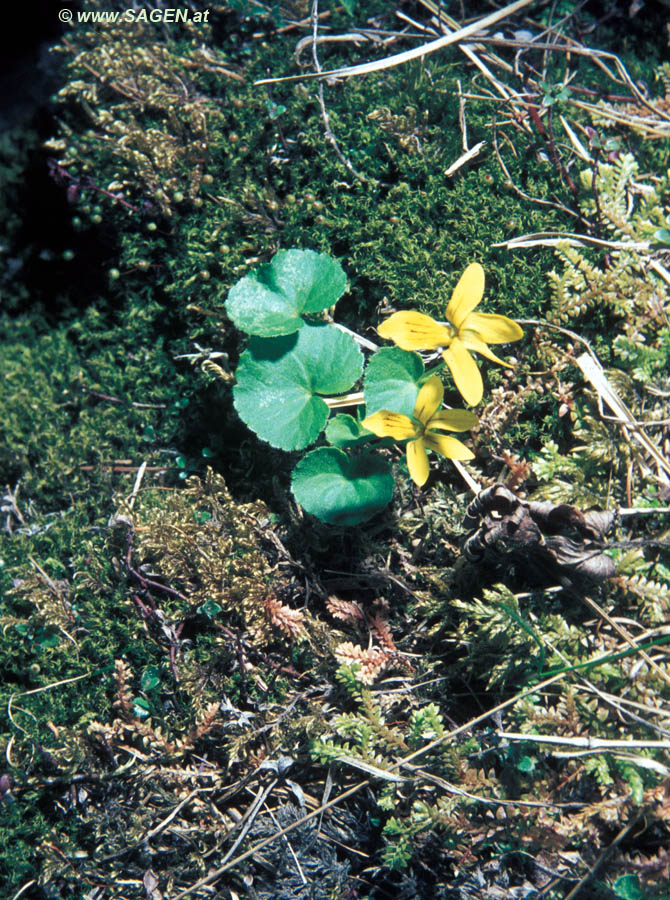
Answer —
(279, 380)
(270, 301)
(392, 381)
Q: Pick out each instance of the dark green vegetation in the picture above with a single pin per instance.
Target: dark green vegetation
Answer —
(159, 646)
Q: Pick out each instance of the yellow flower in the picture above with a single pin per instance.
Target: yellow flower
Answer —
(465, 330)
(420, 431)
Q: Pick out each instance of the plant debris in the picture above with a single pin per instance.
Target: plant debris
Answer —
(543, 535)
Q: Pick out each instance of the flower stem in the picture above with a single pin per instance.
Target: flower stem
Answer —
(355, 399)
(364, 342)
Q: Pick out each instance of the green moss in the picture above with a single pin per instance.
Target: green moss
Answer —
(73, 405)
(277, 182)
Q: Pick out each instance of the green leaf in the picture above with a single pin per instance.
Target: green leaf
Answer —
(56, 566)
(209, 608)
(141, 707)
(46, 638)
(662, 236)
(270, 301)
(150, 678)
(392, 381)
(526, 764)
(275, 110)
(340, 489)
(279, 380)
(628, 887)
(346, 431)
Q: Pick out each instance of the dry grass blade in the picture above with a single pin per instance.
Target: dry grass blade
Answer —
(423, 775)
(39, 690)
(465, 158)
(217, 873)
(445, 23)
(373, 771)
(474, 486)
(354, 37)
(555, 238)
(580, 149)
(650, 126)
(355, 399)
(587, 742)
(595, 375)
(416, 53)
(25, 887)
(603, 856)
(427, 748)
(627, 638)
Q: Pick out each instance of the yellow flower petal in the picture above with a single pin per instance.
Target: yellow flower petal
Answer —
(494, 329)
(474, 342)
(390, 424)
(412, 330)
(417, 462)
(465, 372)
(467, 294)
(447, 446)
(452, 420)
(429, 399)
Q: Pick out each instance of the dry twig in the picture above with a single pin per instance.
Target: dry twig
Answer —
(416, 53)
(324, 112)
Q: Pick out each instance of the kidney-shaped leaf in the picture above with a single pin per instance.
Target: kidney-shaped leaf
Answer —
(344, 431)
(270, 301)
(340, 489)
(279, 380)
(391, 381)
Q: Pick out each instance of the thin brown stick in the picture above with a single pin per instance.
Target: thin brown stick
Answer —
(603, 856)
(623, 633)
(517, 190)
(217, 873)
(416, 53)
(322, 104)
